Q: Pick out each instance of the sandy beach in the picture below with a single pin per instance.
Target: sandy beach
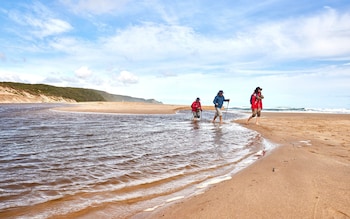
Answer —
(307, 176)
(127, 107)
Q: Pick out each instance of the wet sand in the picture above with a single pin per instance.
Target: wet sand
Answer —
(307, 176)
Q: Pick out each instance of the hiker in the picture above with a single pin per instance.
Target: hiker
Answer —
(196, 108)
(218, 102)
(256, 105)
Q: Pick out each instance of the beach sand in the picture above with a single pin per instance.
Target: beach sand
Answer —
(127, 107)
(306, 176)
(123, 107)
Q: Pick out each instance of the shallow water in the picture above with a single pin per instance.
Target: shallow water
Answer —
(100, 165)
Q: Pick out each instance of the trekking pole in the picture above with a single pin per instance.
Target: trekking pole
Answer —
(228, 102)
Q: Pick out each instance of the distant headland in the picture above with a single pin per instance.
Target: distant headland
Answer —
(12, 92)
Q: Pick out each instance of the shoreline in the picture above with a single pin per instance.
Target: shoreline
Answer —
(306, 176)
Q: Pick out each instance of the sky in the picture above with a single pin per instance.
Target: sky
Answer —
(175, 51)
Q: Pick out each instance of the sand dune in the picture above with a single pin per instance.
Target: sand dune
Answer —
(9, 95)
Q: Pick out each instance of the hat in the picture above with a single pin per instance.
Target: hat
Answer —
(220, 91)
(258, 88)
(197, 98)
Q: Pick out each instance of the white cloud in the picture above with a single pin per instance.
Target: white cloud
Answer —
(2, 57)
(83, 72)
(154, 48)
(151, 41)
(18, 75)
(325, 34)
(38, 20)
(50, 27)
(126, 77)
(95, 7)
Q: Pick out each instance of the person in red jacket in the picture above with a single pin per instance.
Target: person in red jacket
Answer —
(256, 105)
(196, 108)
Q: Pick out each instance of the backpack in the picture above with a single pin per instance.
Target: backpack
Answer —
(251, 98)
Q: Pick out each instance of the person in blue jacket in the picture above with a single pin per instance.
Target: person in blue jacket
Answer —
(218, 102)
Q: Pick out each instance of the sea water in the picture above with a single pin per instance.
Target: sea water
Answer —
(61, 164)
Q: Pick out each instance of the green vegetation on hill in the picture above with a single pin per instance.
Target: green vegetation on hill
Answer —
(77, 94)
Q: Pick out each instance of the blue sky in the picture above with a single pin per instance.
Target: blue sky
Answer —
(174, 51)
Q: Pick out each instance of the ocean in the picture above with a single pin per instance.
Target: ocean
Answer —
(94, 165)
(295, 110)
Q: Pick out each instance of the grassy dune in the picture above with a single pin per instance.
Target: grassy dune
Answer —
(77, 94)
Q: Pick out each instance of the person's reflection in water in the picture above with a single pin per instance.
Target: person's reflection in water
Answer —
(195, 124)
(217, 134)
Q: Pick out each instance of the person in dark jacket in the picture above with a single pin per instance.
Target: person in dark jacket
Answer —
(218, 103)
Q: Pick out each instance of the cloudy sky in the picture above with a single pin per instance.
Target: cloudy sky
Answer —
(174, 51)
